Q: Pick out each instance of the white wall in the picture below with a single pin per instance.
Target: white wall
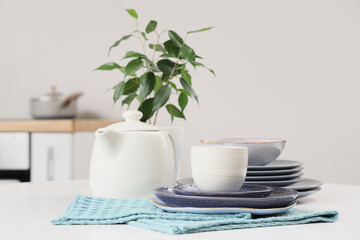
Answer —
(287, 69)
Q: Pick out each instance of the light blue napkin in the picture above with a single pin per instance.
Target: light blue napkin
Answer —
(142, 213)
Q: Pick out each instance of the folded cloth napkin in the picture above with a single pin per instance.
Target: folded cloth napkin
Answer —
(142, 213)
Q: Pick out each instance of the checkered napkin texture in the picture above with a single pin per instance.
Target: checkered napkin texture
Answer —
(142, 213)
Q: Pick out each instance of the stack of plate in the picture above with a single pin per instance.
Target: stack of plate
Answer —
(283, 173)
(254, 199)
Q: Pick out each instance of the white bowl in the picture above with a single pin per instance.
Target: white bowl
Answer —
(261, 150)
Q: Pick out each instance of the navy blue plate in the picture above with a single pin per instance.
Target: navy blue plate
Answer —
(280, 197)
(246, 190)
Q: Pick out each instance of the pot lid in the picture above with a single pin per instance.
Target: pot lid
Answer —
(132, 123)
(51, 96)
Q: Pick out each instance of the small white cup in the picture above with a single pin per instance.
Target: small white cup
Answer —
(219, 168)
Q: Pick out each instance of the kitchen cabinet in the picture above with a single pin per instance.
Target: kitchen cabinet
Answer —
(47, 150)
(51, 156)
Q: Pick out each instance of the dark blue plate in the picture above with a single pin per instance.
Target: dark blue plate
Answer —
(280, 197)
(246, 190)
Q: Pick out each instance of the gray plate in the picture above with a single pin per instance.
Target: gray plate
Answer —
(279, 197)
(282, 183)
(245, 191)
(277, 164)
(305, 184)
(274, 177)
(307, 193)
(274, 172)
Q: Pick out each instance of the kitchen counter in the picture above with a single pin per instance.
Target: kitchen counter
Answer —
(26, 210)
(54, 125)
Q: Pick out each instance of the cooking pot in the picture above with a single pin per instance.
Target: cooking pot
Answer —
(54, 105)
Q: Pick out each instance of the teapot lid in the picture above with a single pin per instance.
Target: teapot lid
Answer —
(132, 123)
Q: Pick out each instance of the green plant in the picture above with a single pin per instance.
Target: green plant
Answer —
(164, 73)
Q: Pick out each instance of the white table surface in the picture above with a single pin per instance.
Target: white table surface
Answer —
(26, 210)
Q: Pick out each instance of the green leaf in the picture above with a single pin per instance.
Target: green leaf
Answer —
(157, 47)
(110, 66)
(161, 97)
(184, 92)
(171, 48)
(147, 109)
(189, 89)
(176, 39)
(119, 41)
(158, 83)
(165, 77)
(147, 84)
(202, 65)
(144, 35)
(173, 85)
(132, 13)
(131, 86)
(185, 75)
(166, 66)
(183, 101)
(174, 111)
(151, 26)
(132, 54)
(133, 66)
(119, 89)
(154, 68)
(128, 99)
(188, 53)
(200, 30)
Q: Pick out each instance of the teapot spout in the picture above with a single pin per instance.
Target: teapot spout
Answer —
(107, 138)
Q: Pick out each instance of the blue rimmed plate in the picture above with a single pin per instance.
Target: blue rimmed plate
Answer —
(280, 197)
(256, 191)
(254, 211)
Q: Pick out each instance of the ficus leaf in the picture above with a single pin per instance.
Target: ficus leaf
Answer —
(128, 99)
(200, 30)
(147, 84)
(171, 48)
(158, 83)
(157, 47)
(132, 13)
(131, 86)
(119, 89)
(110, 66)
(166, 66)
(189, 89)
(161, 97)
(118, 42)
(132, 54)
(188, 53)
(183, 101)
(144, 35)
(185, 75)
(133, 66)
(174, 111)
(147, 109)
(202, 65)
(176, 39)
(151, 26)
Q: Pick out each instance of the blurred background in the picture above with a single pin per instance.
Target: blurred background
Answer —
(285, 69)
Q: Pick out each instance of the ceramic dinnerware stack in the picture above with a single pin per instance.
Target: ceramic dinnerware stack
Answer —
(219, 173)
(265, 169)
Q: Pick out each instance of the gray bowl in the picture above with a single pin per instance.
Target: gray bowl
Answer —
(261, 150)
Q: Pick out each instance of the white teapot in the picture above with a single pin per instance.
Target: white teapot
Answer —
(130, 159)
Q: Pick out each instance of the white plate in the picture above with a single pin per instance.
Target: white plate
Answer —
(305, 184)
(282, 183)
(273, 172)
(274, 177)
(307, 193)
(254, 211)
(277, 164)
